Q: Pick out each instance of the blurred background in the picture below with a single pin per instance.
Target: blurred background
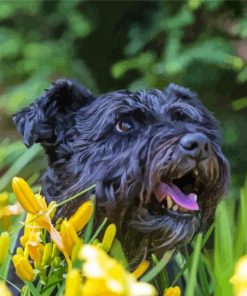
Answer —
(114, 45)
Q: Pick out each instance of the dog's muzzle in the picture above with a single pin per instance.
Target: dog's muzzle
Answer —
(195, 146)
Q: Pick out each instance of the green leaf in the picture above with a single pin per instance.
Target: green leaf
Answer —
(150, 275)
(13, 171)
(118, 253)
(192, 279)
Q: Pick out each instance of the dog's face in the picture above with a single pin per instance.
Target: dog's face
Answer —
(154, 156)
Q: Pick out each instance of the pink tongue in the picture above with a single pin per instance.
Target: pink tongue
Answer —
(185, 201)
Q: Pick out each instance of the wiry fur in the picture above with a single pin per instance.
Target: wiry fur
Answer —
(77, 131)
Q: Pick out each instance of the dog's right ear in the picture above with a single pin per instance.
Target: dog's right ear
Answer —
(179, 92)
(37, 123)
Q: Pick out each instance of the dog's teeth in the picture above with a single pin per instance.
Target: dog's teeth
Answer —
(196, 172)
(175, 208)
(183, 210)
(169, 202)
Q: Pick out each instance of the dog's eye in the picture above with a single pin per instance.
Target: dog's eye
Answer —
(179, 116)
(124, 125)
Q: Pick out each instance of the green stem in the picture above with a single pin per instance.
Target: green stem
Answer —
(158, 268)
(10, 283)
(74, 196)
(32, 289)
(191, 284)
(98, 230)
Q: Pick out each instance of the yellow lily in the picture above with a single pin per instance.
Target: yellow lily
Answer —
(47, 254)
(69, 236)
(108, 237)
(8, 210)
(23, 268)
(141, 269)
(25, 196)
(105, 276)
(239, 279)
(4, 246)
(82, 216)
(73, 285)
(36, 205)
(173, 291)
(4, 290)
(34, 247)
(30, 227)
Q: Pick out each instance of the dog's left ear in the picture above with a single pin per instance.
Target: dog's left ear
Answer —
(38, 122)
(178, 92)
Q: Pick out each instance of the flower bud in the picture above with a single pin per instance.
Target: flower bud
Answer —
(4, 246)
(25, 195)
(23, 268)
(82, 216)
(109, 237)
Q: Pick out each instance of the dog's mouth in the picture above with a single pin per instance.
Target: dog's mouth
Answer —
(178, 196)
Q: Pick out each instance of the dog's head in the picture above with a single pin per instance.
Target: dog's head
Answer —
(154, 156)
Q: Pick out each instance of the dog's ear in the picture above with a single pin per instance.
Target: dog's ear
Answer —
(178, 92)
(37, 122)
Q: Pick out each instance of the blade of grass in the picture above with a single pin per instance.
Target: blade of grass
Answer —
(163, 274)
(32, 289)
(97, 232)
(241, 233)
(149, 276)
(223, 249)
(203, 279)
(19, 164)
(191, 283)
(117, 252)
(185, 266)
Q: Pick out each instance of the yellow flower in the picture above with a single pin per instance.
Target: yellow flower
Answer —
(3, 199)
(239, 279)
(34, 248)
(23, 268)
(82, 216)
(109, 237)
(30, 227)
(47, 254)
(52, 208)
(141, 269)
(25, 196)
(69, 236)
(4, 290)
(7, 211)
(172, 291)
(4, 246)
(10, 210)
(76, 249)
(73, 285)
(36, 205)
(106, 276)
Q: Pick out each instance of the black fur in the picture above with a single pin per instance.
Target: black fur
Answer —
(84, 147)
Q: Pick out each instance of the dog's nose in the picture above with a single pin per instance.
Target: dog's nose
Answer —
(195, 145)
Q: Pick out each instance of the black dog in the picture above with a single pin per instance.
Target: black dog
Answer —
(155, 158)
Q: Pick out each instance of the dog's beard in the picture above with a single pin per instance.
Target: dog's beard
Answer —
(147, 223)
